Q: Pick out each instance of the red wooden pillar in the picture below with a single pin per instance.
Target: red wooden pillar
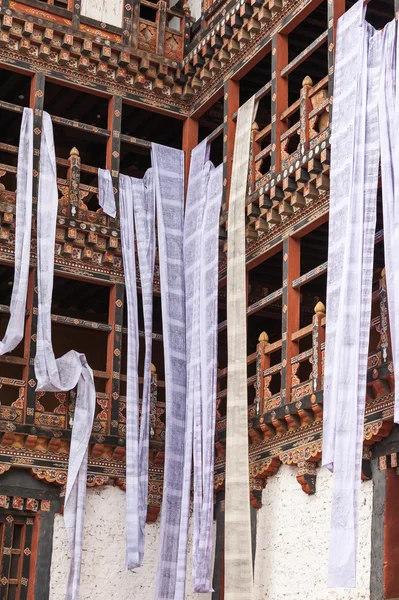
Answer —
(190, 140)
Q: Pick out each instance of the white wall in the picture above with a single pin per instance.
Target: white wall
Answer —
(103, 574)
(106, 11)
(292, 541)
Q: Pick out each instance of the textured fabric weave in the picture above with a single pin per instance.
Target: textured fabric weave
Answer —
(168, 165)
(201, 230)
(354, 179)
(137, 205)
(238, 550)
(70, 370)
(15, 327)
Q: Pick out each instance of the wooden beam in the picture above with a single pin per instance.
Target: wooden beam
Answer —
(290, 311)
(279, 97)
(189, 141)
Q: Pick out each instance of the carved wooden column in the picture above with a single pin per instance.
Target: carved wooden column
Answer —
(262, 363)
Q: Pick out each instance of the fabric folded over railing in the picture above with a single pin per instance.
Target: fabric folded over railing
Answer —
(137, 207)
(67, 372)
(106, 196)
(168, 167)
(23, 207)
(201, 231)
(238, 549)
(353, 199)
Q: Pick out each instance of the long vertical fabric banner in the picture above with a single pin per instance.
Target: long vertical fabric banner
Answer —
(238, 550)
(201, 232)
(354, 178)
(65, 373)
(23, 209)
(137, 208)
(168, 166)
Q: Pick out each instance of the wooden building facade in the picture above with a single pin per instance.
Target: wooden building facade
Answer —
(116, 76)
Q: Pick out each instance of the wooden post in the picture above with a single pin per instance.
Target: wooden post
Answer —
(161, 24)
(135, 24)
(279, 96)
(190, 140)
(335, 10)
(262, 363)
(76, 10)
(186, 27)
(36, 102)
(318, 337)
(230, 106)
(127, 22)
(291, 312)
(116, 298)
(305, 109)
(114, 352)
(114, 147)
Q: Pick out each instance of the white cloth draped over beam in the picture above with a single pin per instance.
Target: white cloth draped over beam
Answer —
(137, 207)
(106, 197)
(201, 231)
(65, 373)
(238, 549)
(365, 121)
(23, 208)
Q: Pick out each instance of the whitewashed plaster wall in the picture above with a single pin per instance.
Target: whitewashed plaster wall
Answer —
(106, 11)
(103, 573)
(292, 541)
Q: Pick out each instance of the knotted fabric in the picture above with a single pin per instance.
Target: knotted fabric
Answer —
(168, 165)
(65, 373)
(364, 106)
(238, 550)
(23, 226)
(137, 207)
(201, 231)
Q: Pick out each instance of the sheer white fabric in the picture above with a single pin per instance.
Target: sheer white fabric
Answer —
(355, 150)
(168, 165)
(106, 196)
(23, 226)
(67, 372)
(201, 230)
(238, 550)
(137, 206)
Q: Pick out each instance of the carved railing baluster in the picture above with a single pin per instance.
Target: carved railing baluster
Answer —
(74, 180)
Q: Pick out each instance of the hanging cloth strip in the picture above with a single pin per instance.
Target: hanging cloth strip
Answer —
(168, 165)
(354, 179)
(23, 226)
(106, 196)
(137, 205)
(70, 370)
(389, 121)
(238, 550)
(201, 231)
